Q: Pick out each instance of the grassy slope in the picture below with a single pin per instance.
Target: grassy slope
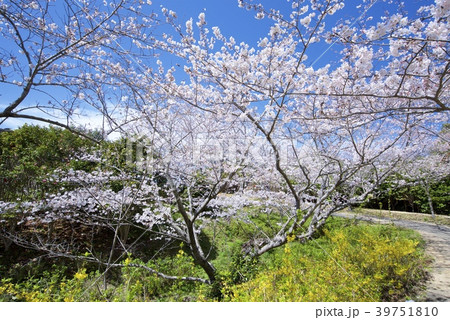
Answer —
(327, 268)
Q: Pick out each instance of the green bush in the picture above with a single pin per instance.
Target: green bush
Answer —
(346, 262)
(333, 268)
(29, 153)
(129, 284)
(413, 198)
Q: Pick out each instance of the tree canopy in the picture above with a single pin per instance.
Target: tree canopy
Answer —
(230, 125)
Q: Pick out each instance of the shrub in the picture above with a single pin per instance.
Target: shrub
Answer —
(333, 268)
(29, 153)
(328, 268)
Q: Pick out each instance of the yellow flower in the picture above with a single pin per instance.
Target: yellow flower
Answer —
(291, 238)
(287, 249)
(80, 275)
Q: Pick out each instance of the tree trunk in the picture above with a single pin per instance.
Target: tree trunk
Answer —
(430, 200)
(192, 239)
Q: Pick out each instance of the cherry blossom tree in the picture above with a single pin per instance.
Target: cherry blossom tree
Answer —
(261, 127)
(347, 124)
(59, 58)
(429, 167)
(172, 192)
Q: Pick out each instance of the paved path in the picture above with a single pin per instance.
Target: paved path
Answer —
(437, 240)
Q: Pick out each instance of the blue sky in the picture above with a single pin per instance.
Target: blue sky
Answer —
(225, 14)
(239, 23)
(242, 25)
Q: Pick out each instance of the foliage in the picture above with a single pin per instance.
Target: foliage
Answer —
(29, 153)
(51, 286)
(389, 270)
(422, 184)
(129, 284)
(413, 198)
(295, 139)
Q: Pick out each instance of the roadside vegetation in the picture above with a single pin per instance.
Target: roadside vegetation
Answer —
(329, 267)
(235, 156)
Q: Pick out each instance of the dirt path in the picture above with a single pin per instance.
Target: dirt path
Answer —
(437, 238)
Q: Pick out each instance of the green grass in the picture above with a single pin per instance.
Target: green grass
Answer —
(346, 261)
